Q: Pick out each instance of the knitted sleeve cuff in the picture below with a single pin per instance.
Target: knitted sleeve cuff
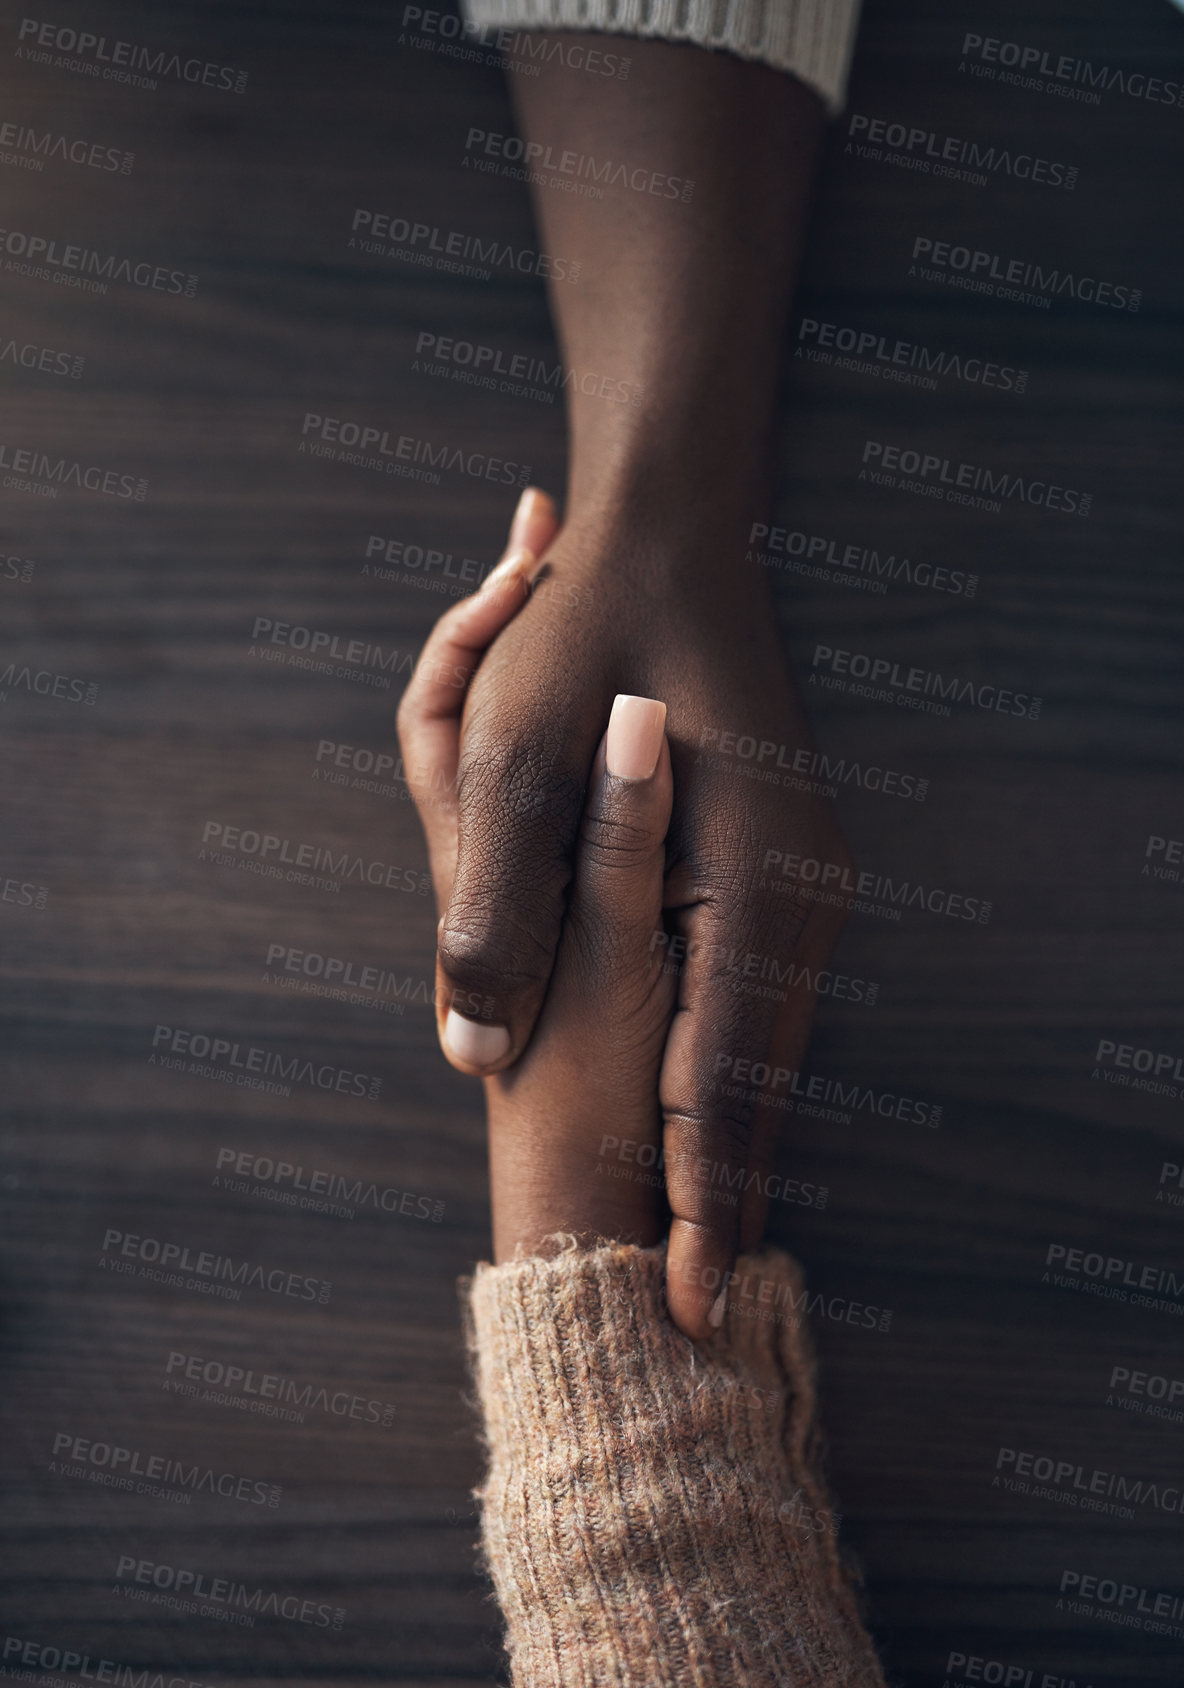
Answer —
(652, 1511)
(812, 39)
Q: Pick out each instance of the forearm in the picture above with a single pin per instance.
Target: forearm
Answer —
(682, 299)
(645, 592)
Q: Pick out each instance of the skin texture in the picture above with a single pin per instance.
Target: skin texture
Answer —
(576, 1125)
(646, 590)
(591, 1068)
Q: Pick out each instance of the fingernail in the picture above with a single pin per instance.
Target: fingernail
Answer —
(719, 1307)
(517, 563)
(475, 1045)
(522, 516)
(634, 741)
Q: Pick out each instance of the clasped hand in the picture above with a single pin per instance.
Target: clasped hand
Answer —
(570, 863)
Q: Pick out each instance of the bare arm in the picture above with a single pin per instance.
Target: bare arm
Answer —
(683, 294)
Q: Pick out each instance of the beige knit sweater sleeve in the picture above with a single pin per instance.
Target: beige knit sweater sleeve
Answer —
(653, 1514)
(812, 39)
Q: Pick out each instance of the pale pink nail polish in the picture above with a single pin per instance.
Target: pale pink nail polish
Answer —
(719, 1307)
(474, 1044)
(634, 742)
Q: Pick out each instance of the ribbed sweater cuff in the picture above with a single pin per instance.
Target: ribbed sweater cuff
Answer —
(812, 39)
(652, 1511)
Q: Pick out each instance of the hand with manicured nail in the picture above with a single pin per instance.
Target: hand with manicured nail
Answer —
(675, 332)
(575, 1127)
(749, 943)
(575, 1124)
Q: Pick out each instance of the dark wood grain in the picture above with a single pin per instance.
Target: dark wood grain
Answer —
(107, 805)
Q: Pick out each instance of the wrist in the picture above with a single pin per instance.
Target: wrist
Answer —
(666, 515)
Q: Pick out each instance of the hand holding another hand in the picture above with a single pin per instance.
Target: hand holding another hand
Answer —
(500, 727)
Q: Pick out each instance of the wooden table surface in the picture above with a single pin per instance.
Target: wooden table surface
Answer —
(118, 920)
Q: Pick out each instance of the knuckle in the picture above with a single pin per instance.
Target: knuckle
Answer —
(518, 809)
(727, 878)
(615, 842)
(505, 960)
(724, 1132)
